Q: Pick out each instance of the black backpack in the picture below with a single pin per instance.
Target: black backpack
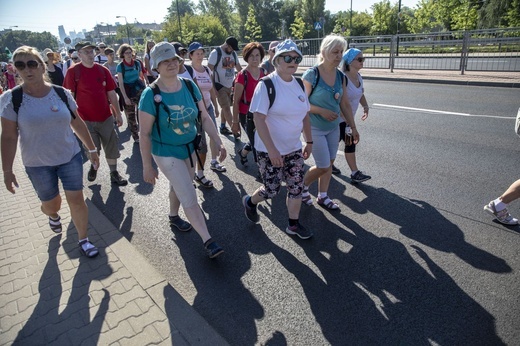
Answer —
(17, 98)
(271, 92)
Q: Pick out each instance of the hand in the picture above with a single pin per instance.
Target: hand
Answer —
(365, 115)
(235, 128)
(94, 160)
(119, 120)
(10, 181)
(355, 134)
(307, 151)
(222, 153)
(128, 102)
(150, 174)
(275, 158)
(329, 115)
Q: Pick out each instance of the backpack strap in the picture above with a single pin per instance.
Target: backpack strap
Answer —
(299, 80)
(17, 97)
(189, 69)
(271, 92)
(189, 85)
(244, 100)
(61, 93)
(316, 79)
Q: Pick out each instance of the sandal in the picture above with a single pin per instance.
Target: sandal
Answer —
(326, 202)
(307, 200)
(203, 181)
(55, 224)
(88, 249)
(243, 159)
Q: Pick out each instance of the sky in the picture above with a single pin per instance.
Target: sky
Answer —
(77, 15)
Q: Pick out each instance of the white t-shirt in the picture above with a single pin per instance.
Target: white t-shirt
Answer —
(285, 118)
(225, 71)
(354, 93)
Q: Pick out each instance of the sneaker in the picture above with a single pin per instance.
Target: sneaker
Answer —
(299, 230)
(502, 216)
(215, 166)
(225, 131)
(335, 170)
(92, 173)
(251, 213)
(359, 177)
(180, 224)
(213, 249)
(117, 179)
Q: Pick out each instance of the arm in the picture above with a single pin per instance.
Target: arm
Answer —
(121, 83)
(147, 65)
(327, 114)
(363, 101)
(211, 130)
(307, 135)
(239, 90)
(213, 94)
(146, 123)
(81, 130)
(9, 142)
(112, 97)
(263, 132)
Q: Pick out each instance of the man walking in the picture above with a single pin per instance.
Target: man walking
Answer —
(223, 61)
(93, 87)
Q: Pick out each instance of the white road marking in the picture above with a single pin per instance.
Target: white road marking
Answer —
(440, 112)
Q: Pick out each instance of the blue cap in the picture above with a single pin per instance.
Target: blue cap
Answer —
(194, 46)
(350, 55)
(287, 46)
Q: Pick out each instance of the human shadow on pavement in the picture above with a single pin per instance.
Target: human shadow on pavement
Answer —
(420, 221)
(49, 323)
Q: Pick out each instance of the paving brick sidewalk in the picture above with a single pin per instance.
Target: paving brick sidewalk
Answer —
(51, 294)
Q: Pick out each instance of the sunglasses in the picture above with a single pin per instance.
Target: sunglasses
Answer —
(20, 65)
(288, 59)
(75, 58)
(360, 59)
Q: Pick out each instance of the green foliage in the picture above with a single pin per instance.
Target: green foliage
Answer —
(15, 38)
(382, 13)
(205, 29)
(253, 29)
(185, 7)
(221, 9)
(513, 14)
(312, 10)
(298, 28)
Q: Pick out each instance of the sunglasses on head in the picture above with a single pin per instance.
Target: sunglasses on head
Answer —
(360, 59)
(288, 59)
(20, 65)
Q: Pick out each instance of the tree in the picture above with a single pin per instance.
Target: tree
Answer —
(185, 7)
(312, 10)
(382, 18)
(287, 13)
(205, 29)
(494, 13)
(15, 38)
(513, 14)
(253, 30)
(298, 28)
(221, 9)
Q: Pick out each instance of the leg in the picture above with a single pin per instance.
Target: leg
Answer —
(132, 121)
(78, 211)
(498, 207)
(174, 202)
(52, 207)
(512, 193)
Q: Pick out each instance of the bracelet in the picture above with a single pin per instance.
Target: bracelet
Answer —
(310, 142)
(93, 151)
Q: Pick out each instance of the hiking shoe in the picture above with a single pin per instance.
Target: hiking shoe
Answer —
(335, 170)
(55, 224)
(251, 213)
(213, 249)
(92, 173)
(359, 177)
(215, 166)
(225, 131)
(299, 230)
(180, 224)
(502, 216)
(117, 179)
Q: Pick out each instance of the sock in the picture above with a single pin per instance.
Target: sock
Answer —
(354, 172)
(54, 218)
(293, 222)
(322, 195)
(82, 240)
(113, 168)
(250, 203)
(213, 161)
(499, 205)
(200, 173)
(305, 191)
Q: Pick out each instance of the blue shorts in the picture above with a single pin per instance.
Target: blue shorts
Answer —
(45, 178)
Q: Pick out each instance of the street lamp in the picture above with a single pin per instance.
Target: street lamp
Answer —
(127, 30)
(398, 22)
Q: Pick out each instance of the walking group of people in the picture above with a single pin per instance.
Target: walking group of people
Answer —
(169, 106)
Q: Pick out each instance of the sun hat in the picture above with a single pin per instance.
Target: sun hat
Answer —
(194, 46)
(84, 44)
(162, 51)
(286, 46)
(350, 55)
(232, 42)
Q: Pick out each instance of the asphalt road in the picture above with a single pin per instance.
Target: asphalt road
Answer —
(410, 258)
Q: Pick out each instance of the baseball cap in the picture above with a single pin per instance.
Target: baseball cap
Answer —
(84, 44)
(232, 42)
(273, 44)
(178, 48)
(163, 51)
(194, 46)
(287, 46)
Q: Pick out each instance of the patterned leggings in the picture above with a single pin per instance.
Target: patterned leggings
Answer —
(291, 172)
(132, 116)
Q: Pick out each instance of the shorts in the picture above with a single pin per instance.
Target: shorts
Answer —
(291, 172)
(104, 133)
(325, 146)
(44, 179)
(342, 133)
(224, 97)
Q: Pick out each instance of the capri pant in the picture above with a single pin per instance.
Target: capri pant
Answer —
(325, 146)
(45, 178)
(342, 133)
(291, 172)
(180, 175)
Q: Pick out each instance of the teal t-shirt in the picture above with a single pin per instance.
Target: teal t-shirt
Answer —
(178, 126)
(131, 72)
(325, 96)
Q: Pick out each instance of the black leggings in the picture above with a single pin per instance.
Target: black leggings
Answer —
(246, 120)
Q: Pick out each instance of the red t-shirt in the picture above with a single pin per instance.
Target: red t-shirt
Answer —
(91, 91)
(249, 90)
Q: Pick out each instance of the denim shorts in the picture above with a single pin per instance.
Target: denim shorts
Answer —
(45, 178)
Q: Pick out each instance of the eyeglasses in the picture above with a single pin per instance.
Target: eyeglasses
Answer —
(31, 64)
(288, 59)
(360, 59)
(102, 47)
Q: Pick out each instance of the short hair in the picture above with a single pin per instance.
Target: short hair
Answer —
(32, 52)
(248, 49)
(329, 42)
(109, 50)
(122, 49)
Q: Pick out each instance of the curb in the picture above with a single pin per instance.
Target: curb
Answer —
(444, 81)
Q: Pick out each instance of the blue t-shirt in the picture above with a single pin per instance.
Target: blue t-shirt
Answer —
(131, 74)
(325, 96)
(178, 126)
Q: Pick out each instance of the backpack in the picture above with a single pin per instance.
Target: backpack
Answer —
(158, 102)
(245, 74)
(271, 92)
(17, 98)
(219, 57)
(317, 78)
(137, 66)
(77, 75)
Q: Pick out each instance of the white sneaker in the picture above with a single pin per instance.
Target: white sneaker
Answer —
(215, 166)
(502, 216)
